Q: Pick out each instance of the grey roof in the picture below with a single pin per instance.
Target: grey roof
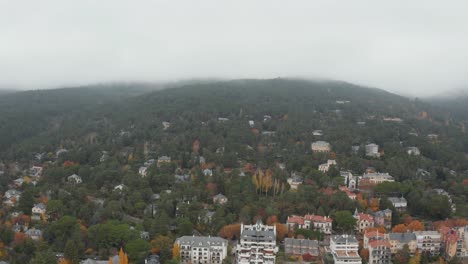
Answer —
(397, 199)
(33, 232)
(344, 239)
(40, 205)
(402, 237)
(201, 241)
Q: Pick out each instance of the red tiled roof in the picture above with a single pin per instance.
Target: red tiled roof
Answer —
(319, 218)
(296, 220)
(374, 234)
(451, 238)
(377, 243)
(367, 217)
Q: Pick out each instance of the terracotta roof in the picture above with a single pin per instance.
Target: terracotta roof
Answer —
(318, 218)
(374, 234)
(296, 219)
(377, 243)
(367, 217)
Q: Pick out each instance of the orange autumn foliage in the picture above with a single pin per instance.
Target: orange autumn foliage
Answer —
(401, 228)
(230, 231)
(272, 219)
(415, 225)
(281, 231)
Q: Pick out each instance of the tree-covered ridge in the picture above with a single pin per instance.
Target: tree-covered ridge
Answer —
(106, 142)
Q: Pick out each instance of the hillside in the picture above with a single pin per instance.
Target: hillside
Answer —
(118, 160)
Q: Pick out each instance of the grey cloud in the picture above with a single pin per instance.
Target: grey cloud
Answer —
(410, 47)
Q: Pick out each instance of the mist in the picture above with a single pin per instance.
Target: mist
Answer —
(415, 48)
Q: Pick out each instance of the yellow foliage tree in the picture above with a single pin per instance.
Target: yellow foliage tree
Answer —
(176, 251)
(123, 258)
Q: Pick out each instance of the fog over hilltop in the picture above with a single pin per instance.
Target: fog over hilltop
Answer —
(412, 48)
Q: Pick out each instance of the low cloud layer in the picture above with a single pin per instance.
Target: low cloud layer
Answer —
(408, 47)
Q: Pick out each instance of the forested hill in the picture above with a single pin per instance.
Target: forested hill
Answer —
(29, 113)
(49, 118)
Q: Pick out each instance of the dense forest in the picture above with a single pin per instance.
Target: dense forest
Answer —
(106, 133)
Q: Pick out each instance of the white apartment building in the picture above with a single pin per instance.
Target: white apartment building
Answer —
(202, 250)
(320, 146)
(257, 244)
(344, 249)
(428, 241)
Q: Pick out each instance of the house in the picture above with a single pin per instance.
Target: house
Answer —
(433, 137)
(208, 172)
(18, 182)
(223, 119)
(326, 166)
(294, 181)
(119, 187)
(266, 118)
(163, 160)
(370, 236)
(143, 171)
(198, 250)
(145, 235)
(166, 125)
(315, 222)
(317, 133)
(372, 150)
(383, 218)
(363, 221)
(257, 244)
(344, 249)
(34, 234)
(428, 242)
(39, 209)
(380, 252)
(301, 247)
(74, 179)
(35, 171)
(152, 259)
(398, 240)
(399, 203)
(251, 123)
(350, 194)
(220, 199)
(12, 193)
(375, 178)
(320, 146)
(413, 151)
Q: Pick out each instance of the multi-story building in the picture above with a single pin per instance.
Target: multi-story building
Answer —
(198, 250)
(372, 150)
(257, 244)
(325, 167)
(380, 252)
(300, 247)
(428, 242)
(399, 203)
(377, 177)
(372, 236)
(399, 240)
(455, 242)
(383, 218)
(320, 146)
(363, 221)
(316, 222)
(344, 249)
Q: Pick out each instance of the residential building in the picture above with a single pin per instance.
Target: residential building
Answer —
(143, 171)
(301, 247)
(220, 199)
(317, 133)
(152, 259)
(315, 222)
(166, 125)
(251, 123)
(35, 171)
(74, 179)
(454, 242)
(257, 244)
(377, 178)
(198, 250)
(208, 172)
(380, 252)
(39, 209)
(326, 166)
(163, 159)
(372, 150)
(428, 241)
(363, 221)
(34, 234)
(344, 249)
(350, 194)
(399, 203)
(399, 240)
(320, 146)
(413, 151)
(372, 236)
(294, 181)
(383, 218)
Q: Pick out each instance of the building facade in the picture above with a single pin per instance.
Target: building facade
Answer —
(257, 244)
(202, 250)
(344, 249)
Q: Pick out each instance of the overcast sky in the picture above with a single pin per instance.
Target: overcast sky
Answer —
(408, 47)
